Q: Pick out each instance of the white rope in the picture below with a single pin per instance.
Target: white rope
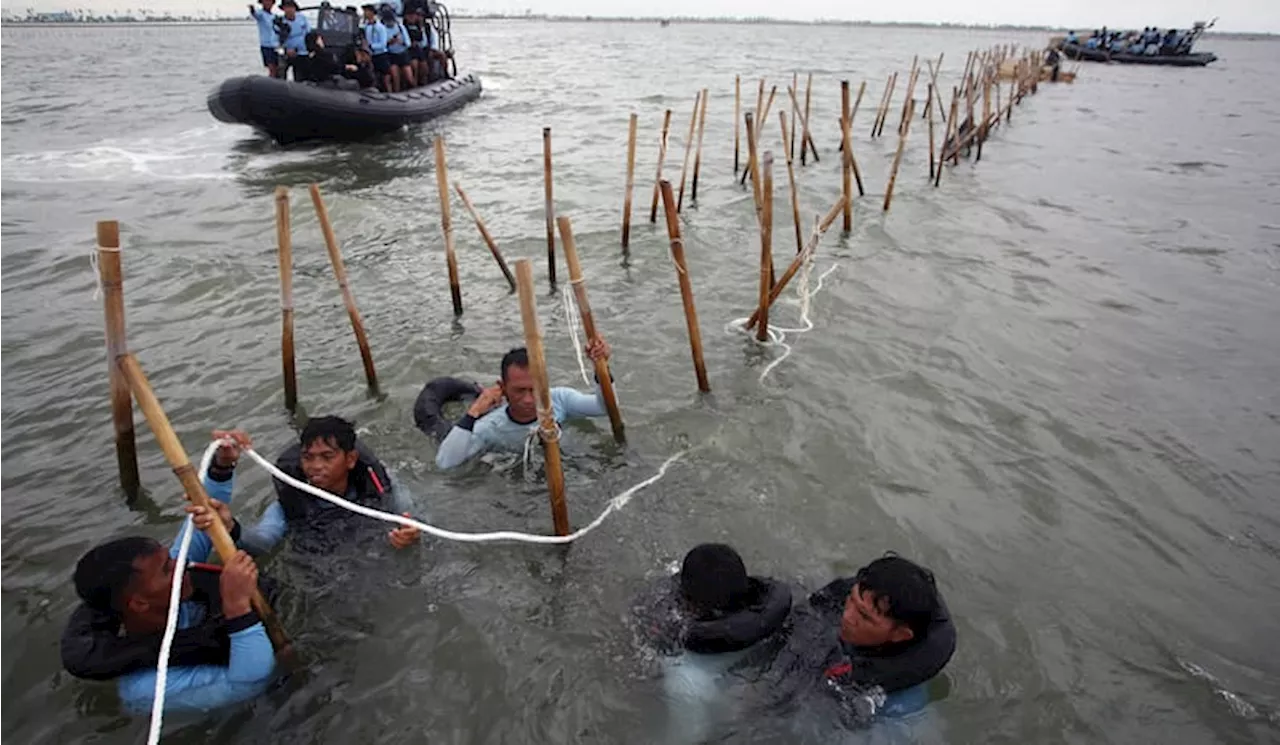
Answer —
(616, 503)
(175, 602)
(573, 319)
(778, 334)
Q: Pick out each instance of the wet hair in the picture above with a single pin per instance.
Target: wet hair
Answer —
(713, 578)
(106, 572)
(289, 4)
(369, 7)
(332, 430)
(310, 39)
(518, 357)
(903, 590)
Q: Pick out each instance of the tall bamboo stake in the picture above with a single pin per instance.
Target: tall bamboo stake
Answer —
(589, 325)
(791, 142)
(800, 258)
(884, 116)
(686, 287)
(446, 225)
(911, 90)
(804, 120)
(688, 148)
(284, 243)
(884, 101)
(788, 137)
(753, 165)
(484, 234)
(929, 105)
(846, 168)
(662, 155)
(947, 136)
(737, 120)
(182, 468)
(340, 273)
(804, 124)
(549, 206)
(862, 88)
(548, 431)
(897, 157)
(759, 100)
(631, 182)
(111, 277)
(760, 124)
(986, 118)
(697, 159)
(766, 249)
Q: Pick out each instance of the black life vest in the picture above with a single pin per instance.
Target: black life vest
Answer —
(93, 649)
(312, 518)
(669, 626)
(416, 33)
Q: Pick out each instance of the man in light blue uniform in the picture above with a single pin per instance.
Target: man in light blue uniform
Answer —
(491, 424)
(295, 43)
(376, 38)
(131, 578)
(268, 39)
(398, 48)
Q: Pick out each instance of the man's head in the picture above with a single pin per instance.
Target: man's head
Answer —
(370, 12)
(894, 600)
(713, 579)
(328, 453)
(267, 5)
(290, 9)
(129, 577)
(517, 385)
(388, 16)
(314, 41)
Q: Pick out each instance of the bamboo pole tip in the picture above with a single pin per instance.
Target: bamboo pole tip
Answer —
(546, 131)
(564, 224)
(282, 193)
(108, 234)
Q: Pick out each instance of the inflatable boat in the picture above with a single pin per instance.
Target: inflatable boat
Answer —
(1191, 59)
(290, 111)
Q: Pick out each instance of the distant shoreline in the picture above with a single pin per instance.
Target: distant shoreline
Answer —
(52, 20)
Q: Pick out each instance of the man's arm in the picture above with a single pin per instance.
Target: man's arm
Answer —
(268, 532)
(207, 687)
(460, 445)
(571, 404)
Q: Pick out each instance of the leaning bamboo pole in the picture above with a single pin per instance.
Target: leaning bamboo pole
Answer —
(589, 325)
(804, 120)
(688, 148)
(800, 258)
(446, 225)
(485, 235)
(662, 155)
(111, 277)
(846, 167)
(548, 430)
(340, 273)
(897, 157)
(788, 137)
(804, 125)
(284, 252)
(911, 90)
(753, 165)
(697, 158)
(686, 287)
(182, 468)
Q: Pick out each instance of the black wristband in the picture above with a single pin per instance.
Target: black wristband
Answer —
(467, 422)
(235, 530)
(240, 623)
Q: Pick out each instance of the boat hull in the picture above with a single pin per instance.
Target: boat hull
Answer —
(1077, 52)
(306, 111)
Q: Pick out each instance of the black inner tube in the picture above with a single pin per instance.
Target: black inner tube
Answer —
(428, 410)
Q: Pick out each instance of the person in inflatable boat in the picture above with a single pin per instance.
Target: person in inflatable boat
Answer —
(329, 457)
(221, 654)
(707, 620)
(503, 415)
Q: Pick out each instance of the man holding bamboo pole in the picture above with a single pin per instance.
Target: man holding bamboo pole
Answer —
(504, 414)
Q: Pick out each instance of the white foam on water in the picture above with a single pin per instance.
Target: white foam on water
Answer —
(1238, 705)
(184, 156)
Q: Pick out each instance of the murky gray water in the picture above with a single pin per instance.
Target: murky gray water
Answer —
(1053, 380)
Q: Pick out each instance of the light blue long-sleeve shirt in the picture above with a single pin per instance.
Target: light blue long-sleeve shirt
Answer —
(267, 36)
(299, 27)
(496, 430)
(401, 34)
(376, 35)
(205, 687)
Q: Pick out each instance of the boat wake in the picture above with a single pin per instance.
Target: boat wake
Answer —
(183, 157)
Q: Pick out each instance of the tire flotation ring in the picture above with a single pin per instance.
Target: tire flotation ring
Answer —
(427, 410)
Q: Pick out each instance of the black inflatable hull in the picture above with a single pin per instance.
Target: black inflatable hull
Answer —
(1199, 59)
(305, 111)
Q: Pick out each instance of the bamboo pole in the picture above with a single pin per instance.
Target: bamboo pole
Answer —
(111, 277)
(549, 207)
(805, 140)
(760, 124)
(766, 249)
(880, 107)
(548, 431)
(603, 377)
(788, 136)
(846, 168)
(986, 118)
(340, 273)
(759, 100)
(446, 226)
(484, 234)
(662, 155)
(932, 150)
(911, 90)
(791, 142)
(753, 165)
(697, 158)
(950, 135)
(897, 157)
(686, 287)
(884, 115)
(688, 148)
(800, 258)
(284, 244)
(862, 88)
(136, 379)
(804, 124)
(737, 120)
(631, 182)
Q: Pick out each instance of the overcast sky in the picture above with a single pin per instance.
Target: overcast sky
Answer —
(1236, 15)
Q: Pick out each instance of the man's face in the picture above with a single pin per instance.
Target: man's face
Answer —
(152, 578)
(290, 12)
(326, 465)
(864, 623)
(369, 15)
(517, 386)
